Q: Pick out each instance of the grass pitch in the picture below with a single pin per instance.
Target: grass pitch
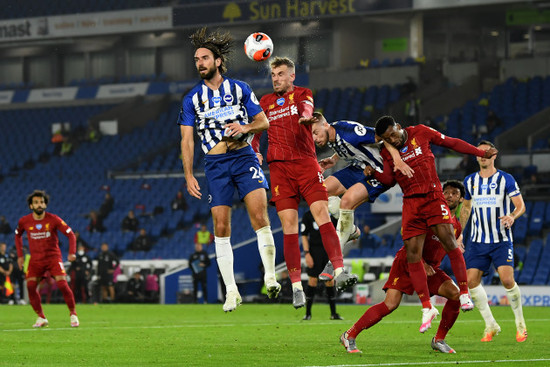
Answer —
(257, 335)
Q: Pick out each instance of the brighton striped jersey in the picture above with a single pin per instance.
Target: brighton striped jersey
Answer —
(356, 144)
(210, 110)
(491, 198)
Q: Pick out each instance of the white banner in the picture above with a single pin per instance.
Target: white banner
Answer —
(389, 202)
(87, 24)
(122, 90)
(52, 94)
(6, 96)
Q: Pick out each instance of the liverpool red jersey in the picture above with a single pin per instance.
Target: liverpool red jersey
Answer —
(42, 236)
(416, 152)
(288, 139)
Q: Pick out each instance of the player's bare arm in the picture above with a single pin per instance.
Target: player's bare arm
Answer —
(259, 123)
(398, 163)
(465, 212)
(307, 256)
(329, 162)
(187, 152)
(519, 208)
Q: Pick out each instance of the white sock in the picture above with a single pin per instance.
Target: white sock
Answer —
(479, 296)
(334, 206)
(297, 285)
(224, 257)
(266, 247)
(345, 226)
(338, 271)
(514, 296)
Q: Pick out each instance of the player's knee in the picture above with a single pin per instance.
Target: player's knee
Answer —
(508, 282)
(222, 229)
(391, 304)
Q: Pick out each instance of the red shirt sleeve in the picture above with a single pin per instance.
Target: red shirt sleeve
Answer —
(305, 107)
(455, 144)
(387, 177)
(68, 232)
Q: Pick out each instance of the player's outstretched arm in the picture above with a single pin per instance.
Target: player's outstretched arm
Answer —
(519, 209)
(187, 153)
(465, 211)
(259, 123)
(329, 162)
(398, 164)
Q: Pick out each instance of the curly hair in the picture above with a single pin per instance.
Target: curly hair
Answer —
(220, 43)
(39, 194)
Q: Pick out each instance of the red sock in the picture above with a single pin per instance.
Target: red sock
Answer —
(67, 295)
(373, 315)
(293, 258)
(34, 298)
(448, 318)
(459, 269)
(331, 244)
(419, 281)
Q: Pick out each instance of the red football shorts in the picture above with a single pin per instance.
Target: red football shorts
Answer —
(422, 212)
(38, 268)
(293, 180)
(400, 279)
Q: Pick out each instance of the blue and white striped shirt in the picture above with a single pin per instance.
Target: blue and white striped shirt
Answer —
(491, 198)
(210, 110)
(356, 144)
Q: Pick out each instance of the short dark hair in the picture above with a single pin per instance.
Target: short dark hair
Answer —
(383, 123)
(457, 185)
(220, 43)
(486, 142)
(39, 194)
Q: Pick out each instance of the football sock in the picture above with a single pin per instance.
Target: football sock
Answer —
(448, 318)
(224, 257)
(297, 285)
(293, 257)
(345, 226)
(514, 296)
(459, 269)
(266, 247)
(373, 315)
(332, 246)
(34, 298)
(67, 295)
(334, 206)
(419, 281)
(331, 296)
(310, 295)
(479, 296)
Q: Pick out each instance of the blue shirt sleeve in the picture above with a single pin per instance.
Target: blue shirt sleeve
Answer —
(187, 114)
(249, 100)
(512, 188)
(354, 133)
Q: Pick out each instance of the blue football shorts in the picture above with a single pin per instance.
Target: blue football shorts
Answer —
(237, 169)
(480, 255)
(351, 175)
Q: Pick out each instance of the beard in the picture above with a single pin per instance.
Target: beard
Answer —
(38, 211)
(210, 73)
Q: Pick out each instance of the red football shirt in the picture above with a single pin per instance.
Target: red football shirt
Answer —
(288, 139)
(42, 236)
(416, 152)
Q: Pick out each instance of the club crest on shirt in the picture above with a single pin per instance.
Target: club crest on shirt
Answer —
(228, 98)
(291, 98)
(413, 142)
(281, 101)
(493, 185)
(48, 225)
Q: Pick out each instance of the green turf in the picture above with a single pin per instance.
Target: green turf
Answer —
(255, 335)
